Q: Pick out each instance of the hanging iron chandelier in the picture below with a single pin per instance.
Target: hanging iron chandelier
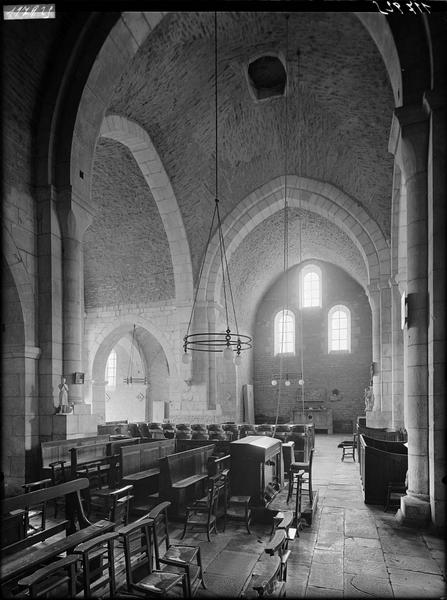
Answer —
(217, 341)
(129, 380)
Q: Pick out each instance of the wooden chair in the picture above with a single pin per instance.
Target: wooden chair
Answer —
(36, 511)
(141, 577)
(238, 509)
(144, 430)
(199, 435)
(231, 430)
(119, 505)
(246, 430)
(97, 556)
(284, 520)
(279, 545)
(348, 448)
(168, 430)
(58, 475)
(282, 432)
(60, 576)
(178, 558)
(202, 513)
(264, 429)
(133, 430)
(306, 469)
(269, 575)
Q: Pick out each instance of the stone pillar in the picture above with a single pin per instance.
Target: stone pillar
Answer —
(74, 218)
(385, 353)
(49, 250)
(397, 359)
(373, 416)
(410, 128)
(437, 194)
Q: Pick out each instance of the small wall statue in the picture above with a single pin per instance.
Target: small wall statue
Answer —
(64, 407)
(369, 398)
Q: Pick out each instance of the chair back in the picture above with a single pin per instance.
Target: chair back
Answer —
(137, 549)
(58, 473)
(311, 456)
(119, 505)
(159, 529)
(200, 435)
(134, 430)
(144, 430)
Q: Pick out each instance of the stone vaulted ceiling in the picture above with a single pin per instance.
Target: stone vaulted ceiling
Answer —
(339, 114)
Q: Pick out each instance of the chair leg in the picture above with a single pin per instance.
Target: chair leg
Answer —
(291, 482)
(184, 526)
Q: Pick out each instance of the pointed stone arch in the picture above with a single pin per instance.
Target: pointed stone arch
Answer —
(139, 143)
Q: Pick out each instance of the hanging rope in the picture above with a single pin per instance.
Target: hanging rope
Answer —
(129, 368)
(286, 237)
(300, 258)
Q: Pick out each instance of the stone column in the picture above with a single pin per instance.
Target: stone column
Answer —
(74, 218)
(49, 249)
(385, 353)
(373, 416)
(397, 359)
(410, 129)
(437, 193)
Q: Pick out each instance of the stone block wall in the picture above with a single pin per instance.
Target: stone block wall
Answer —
(348, 373)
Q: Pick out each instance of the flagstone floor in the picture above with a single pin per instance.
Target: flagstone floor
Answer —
(351, 550)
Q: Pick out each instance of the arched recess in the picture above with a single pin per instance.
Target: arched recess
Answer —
(152, 348)
(24, 287)
(308, 194)
(139, 143)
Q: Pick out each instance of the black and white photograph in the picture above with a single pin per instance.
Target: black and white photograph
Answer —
(223, 330)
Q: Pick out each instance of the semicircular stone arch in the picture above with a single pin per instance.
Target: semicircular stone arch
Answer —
(110, 333)
(308, 194)
(140, 145)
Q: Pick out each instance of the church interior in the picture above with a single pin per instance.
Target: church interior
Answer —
(223, 299)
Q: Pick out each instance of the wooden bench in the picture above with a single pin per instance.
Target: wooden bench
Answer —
(27, 554)
(269, 575)
(139, 465)
(102, 456)
(381, 462)
(182, 475)
(57, 450)
(221, 447)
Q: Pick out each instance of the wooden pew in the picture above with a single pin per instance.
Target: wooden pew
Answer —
(222, 447)
(56, 450)
(28, 554)
(139, 465)
(182, 475)
(380, 462)
(104, 455)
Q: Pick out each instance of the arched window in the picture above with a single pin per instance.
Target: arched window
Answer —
(310, 286)
(339, 329)
(284, 332)
(111, 370)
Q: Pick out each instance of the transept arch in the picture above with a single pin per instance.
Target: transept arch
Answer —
(139, 143)
(320, 198)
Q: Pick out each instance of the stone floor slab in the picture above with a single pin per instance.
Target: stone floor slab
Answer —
(328, 557)
(426, 581)
(324, 577)
(363, 585)
(412, 563)
(368, 567)
(317, 592)
(411, 591)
